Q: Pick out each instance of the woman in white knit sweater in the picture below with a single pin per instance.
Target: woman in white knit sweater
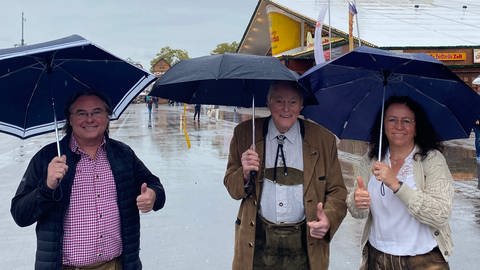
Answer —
(406, 196)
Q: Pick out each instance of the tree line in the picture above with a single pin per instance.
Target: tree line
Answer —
(172, 56)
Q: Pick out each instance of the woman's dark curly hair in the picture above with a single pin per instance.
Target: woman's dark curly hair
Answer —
(426, 138)
(67, 128)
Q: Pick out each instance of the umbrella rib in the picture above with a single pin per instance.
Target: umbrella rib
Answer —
(19, 70)
(354, 109)
(75, 78)
(60, 62)
(31, 97)
(220, 66)
(42, 62)
(345, 83)
(435, 101)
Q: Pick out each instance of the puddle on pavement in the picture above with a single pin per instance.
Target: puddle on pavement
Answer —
(461, 161)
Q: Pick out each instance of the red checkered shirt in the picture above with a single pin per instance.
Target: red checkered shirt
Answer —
(92, 222)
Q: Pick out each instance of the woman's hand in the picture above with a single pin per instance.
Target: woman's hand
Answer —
(384, 173)
(361, 195)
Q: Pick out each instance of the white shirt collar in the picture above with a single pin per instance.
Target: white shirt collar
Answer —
(292, 134)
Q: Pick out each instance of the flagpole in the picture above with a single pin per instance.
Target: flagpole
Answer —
(318, 42)
(358, 27)
(329, 32)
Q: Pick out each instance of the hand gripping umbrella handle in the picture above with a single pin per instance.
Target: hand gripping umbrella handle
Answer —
(250, 185)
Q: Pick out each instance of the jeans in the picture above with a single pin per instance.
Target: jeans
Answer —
(476, 129)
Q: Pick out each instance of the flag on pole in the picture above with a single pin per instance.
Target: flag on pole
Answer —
(317, 43)
(352, 11)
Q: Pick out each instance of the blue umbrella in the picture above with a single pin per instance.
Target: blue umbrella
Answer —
(37, 80)
(352, 88)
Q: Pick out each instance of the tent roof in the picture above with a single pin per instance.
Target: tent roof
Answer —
(384, 23)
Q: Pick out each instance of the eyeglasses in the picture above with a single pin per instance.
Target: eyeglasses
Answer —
(84, 115)
(404, 122)
(280, 103)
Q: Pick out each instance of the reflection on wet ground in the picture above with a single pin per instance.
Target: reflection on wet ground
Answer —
(460, 154)
(197, 222)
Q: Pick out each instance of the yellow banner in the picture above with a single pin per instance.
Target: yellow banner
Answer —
(184, 126)
(285, 32)
(447, 56)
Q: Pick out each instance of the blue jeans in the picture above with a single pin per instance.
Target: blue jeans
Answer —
(476, 129)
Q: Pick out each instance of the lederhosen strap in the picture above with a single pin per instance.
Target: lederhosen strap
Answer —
(281, 246)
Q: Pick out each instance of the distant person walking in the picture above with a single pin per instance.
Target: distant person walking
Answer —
(149, 101)
(476, 130)
(198, 108)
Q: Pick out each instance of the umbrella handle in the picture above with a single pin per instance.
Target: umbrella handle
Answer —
(56, 128)
(250, 185)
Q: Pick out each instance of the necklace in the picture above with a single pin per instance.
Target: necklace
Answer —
(403, 156)
(397, 160)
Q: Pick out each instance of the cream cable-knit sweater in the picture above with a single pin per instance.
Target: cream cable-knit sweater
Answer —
(431, 203)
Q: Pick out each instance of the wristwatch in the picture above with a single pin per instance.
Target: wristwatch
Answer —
(400, 183)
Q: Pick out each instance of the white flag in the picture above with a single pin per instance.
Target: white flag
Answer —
(317, 43)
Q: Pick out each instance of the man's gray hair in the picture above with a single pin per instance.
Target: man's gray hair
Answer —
(285, 84)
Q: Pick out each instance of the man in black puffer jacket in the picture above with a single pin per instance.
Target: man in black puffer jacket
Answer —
(86, 202)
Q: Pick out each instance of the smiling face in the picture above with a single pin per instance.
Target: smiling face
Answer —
(285, 104)
(89, 120)
(400, 126)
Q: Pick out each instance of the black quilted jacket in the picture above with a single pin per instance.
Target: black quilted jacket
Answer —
(35, 202)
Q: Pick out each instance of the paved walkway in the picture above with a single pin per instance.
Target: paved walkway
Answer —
(196, 227)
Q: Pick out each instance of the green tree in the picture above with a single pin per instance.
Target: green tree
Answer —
(225, 48)
(172, 56)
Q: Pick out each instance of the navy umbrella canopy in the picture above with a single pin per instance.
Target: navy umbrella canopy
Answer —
(35, 77)
(352, 88)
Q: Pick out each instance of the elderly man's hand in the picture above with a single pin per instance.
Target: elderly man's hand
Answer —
(319, 228)
(146, 199)
(250, 162)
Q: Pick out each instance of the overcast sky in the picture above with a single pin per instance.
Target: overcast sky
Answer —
(129, 28)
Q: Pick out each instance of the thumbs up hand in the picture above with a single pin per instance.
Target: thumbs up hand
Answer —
(146, 199)
(361, 195)
(319, 228)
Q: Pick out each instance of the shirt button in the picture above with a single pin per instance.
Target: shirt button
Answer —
(250, 244)
(252, 223)
(280, 204)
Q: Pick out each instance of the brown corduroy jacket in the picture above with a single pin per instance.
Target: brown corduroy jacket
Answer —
(323, 182)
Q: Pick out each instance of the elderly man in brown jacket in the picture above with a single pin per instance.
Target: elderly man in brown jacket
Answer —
(298, 200)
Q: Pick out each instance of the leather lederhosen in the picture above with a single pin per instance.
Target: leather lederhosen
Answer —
(281, 246)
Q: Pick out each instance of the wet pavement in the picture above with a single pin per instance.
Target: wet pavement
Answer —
(196, 227)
